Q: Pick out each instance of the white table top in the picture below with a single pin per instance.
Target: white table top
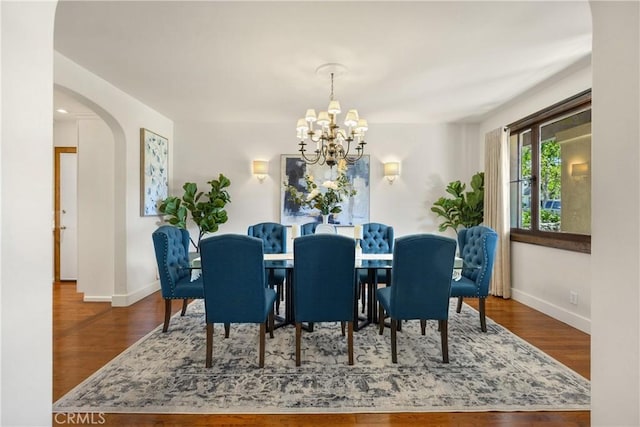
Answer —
(289, 256)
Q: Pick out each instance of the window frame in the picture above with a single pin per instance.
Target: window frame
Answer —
(560, 240)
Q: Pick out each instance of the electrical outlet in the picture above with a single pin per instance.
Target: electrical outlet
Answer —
(573, 297)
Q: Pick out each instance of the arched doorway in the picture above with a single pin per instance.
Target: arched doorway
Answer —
(99, 141)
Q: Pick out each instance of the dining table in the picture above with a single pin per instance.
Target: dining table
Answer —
(369, 262)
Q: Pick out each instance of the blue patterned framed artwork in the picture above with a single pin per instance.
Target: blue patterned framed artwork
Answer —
(154, 171)
(355, 210)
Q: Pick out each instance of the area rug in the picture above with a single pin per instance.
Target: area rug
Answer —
(492, 371)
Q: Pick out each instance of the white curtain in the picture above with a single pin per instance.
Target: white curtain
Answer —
(496, 206)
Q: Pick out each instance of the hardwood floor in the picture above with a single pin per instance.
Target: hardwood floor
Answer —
(88, 335)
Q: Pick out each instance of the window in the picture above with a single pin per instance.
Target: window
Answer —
(550, 162)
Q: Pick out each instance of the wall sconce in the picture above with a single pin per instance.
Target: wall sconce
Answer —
(579, 170)
(260, 169)
(391, 171)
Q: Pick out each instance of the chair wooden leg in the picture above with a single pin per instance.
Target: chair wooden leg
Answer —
(363, 296)
(185, 302)
(298, 338)
(483, 318)
(342, 327)
(423, 326)
(380, 319)
(209, 344)
(272, 325)
(444, 325)
(350, 341)
(227, 327)
(167, 314)
(261, 349)
(459, 306)
(394, 326)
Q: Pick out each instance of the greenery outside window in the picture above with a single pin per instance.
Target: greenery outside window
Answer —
(550, 170)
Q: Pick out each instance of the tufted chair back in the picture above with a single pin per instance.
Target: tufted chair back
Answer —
(274, 239)
(172, 254)
(273, 235)
(477, 247)
(376, 238)
(308, 228)
(171, 245)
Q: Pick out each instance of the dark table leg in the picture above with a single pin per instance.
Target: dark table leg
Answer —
(288, 302)
(372, 284)
(356, 316)
(371, 298)
(289, 315)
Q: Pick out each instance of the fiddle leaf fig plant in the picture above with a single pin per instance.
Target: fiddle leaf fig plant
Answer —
(207, 209)
(465, 209)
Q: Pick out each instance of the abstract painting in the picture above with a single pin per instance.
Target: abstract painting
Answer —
(154, 171)
(355, 210)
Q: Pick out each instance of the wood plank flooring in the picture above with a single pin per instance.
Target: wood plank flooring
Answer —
(88, 335)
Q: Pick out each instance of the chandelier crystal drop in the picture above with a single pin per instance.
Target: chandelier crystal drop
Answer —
(332, 143)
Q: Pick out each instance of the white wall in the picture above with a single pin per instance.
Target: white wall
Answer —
(543, 277)
(430, 156)
(134, 262)
(615, 285)
(96, 251)
(65, 133)
(26, 212)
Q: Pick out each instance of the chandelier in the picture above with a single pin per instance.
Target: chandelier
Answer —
(332, 143)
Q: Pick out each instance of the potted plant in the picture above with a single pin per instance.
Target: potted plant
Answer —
(465, 209)
(207, 209)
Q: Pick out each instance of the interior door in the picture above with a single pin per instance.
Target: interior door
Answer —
(66, 228)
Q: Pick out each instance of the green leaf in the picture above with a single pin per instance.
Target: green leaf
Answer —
(206, 209)
(465, 209)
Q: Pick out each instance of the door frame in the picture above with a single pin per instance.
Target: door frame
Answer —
(57, 152)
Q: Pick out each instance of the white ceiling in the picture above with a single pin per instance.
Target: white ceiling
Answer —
(409, 62)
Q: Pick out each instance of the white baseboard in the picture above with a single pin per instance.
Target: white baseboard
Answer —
(128, 299)
(96, 299)
(572, 319)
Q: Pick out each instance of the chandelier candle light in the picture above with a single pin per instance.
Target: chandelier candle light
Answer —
(332, 143)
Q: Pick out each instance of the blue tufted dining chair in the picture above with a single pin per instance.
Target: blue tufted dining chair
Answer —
(420, 286)
(234, 290)
(376, 239)
(274, 236)
(477, 247)
(171, 246)
(308, 228)
(324, 288)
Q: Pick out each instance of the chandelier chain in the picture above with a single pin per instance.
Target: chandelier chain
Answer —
(331, 96)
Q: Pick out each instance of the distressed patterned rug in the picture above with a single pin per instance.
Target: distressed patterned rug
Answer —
(165, 373)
